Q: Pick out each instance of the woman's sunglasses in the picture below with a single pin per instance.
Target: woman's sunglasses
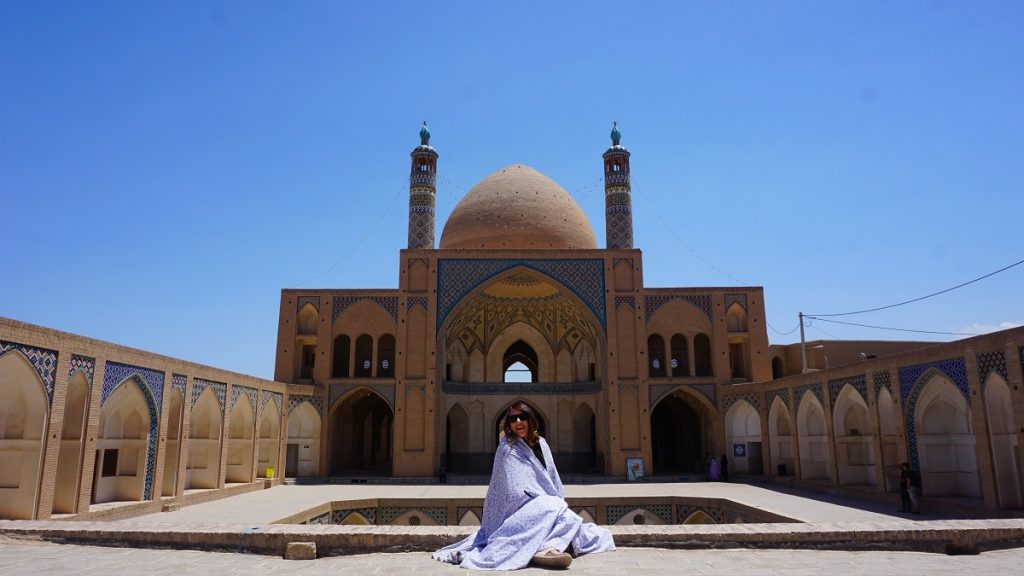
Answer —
(521, 417)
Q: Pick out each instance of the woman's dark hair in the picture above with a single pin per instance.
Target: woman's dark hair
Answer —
(532, 433)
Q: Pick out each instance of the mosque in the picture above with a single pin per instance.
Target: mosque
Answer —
(514, 302)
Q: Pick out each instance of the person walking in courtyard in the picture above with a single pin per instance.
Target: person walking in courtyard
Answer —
(526, 519)
(910, 481)
(714, 472)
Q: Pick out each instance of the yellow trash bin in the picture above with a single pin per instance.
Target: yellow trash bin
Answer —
(270, 472)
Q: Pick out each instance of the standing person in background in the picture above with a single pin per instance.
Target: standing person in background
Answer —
(526, 519)
(724, 466)
(714, 472)
(910, 480)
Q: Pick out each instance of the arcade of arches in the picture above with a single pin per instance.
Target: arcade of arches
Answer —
(514, 302)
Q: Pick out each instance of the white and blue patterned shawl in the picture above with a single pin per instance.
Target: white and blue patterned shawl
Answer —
(524, 512)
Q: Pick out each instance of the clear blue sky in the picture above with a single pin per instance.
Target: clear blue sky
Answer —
(166, 168)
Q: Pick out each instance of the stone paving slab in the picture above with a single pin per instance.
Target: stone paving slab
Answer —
(20, 557)
(951, 536)
(266, 506)
(244, 523)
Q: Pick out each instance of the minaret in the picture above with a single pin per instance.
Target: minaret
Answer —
(422, 192)
(618, 203)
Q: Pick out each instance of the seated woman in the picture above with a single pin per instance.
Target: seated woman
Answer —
(526, 518)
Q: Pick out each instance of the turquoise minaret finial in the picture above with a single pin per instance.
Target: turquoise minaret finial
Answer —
(424, 135)
(616, 135)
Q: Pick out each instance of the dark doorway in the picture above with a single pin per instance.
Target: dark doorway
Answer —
(676, 436)
(361, 430)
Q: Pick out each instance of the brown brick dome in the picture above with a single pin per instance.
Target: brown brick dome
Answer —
(517, 207)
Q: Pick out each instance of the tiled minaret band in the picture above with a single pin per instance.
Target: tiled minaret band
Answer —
(618, 203)
(422, 192)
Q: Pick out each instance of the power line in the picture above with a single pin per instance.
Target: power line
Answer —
(679, 238)
(358, 244)
(1005, 268)
(795, 328)
(888, 328)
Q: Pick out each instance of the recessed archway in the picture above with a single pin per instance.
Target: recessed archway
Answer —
(945, 440)
(69, 465)
(810, 421)
(1003, 441)
(361, 434)
(854, 440)
(780, 435)
(303, 449)
(121, 448)
(22, 422)
(240, 432)
(269, 442)
(677, 439)
(205, 422)
(743, 438)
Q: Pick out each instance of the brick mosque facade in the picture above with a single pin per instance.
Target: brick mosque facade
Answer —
(514, 302)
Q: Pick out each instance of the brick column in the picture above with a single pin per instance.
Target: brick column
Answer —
(89, 438)
(51, 438)
(161, 446)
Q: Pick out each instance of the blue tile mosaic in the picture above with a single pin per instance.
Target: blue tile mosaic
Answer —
(115, 373)
(199, 385)
(813, 388)
(414, 301)
(388, 303)
(303, 300)
(251, 393)
(438, 513)
(625, 301)
(782, 394)
(740, 299)
(753, 398)
(178, 382)
(913, 380)
(457, 277)
(315, 401)
(653, 302)
(83, 364)
(991, 362)
(44, 361)
(267, 396)
(883, 380)
(859, 383)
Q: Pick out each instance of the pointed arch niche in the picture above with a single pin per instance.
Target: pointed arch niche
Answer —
(1003, 440)
(203, 468)
(780, 435)
(69, 465)
(813, 438)
(743, 427)
(240, 431)
(945, 440)
(22, 423)
(120, 473)
(888, 426)
(268, 452)
(303, 450)
(855, 453)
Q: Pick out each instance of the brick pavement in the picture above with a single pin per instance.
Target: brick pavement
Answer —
(33, 557)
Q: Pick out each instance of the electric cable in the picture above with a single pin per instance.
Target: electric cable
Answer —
(1003, 269)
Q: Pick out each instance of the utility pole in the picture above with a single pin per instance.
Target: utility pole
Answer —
(803, 344)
